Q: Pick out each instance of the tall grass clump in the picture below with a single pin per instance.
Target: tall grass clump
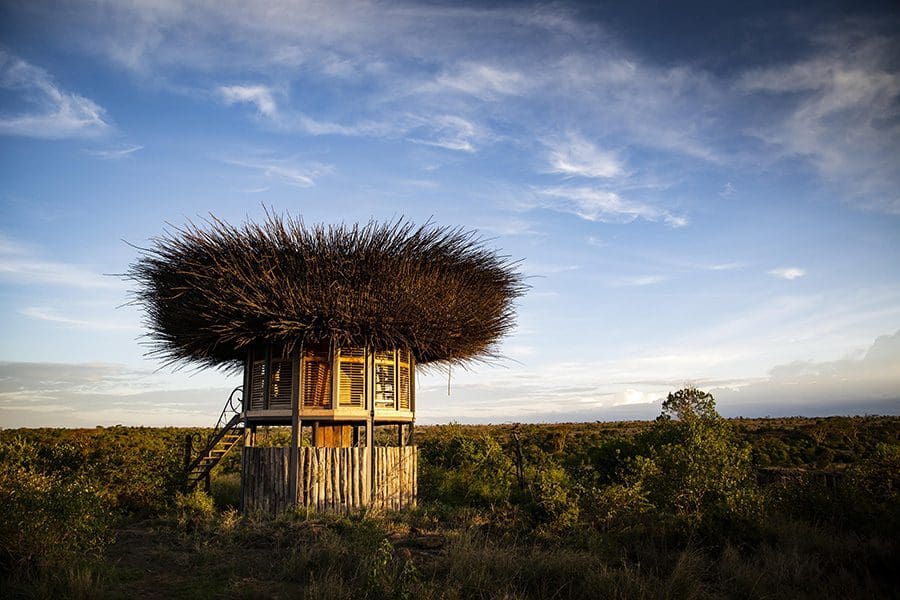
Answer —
(54, 523)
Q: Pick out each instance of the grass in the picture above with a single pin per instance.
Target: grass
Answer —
(414, 555)
(484, 536)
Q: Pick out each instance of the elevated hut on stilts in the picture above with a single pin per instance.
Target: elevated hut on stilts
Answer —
(328, 325)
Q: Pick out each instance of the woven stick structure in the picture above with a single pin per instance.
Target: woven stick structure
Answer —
(212, 292)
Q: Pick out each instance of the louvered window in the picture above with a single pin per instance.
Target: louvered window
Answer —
(352, 377)
(403, 377)
(258, 385)
(280, 384)
(316, 379)
(385, 380)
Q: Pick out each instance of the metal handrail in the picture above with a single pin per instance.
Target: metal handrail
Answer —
(229, 416)
(228, 412)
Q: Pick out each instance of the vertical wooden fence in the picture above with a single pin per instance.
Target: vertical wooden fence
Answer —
(330, 479)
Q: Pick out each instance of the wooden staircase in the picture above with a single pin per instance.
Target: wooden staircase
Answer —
(225, 437)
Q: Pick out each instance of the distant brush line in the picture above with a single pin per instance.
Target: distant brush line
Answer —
(211, 293)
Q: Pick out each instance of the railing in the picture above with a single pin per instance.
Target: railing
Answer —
(228, 418)
(228, 412)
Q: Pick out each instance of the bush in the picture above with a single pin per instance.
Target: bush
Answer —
(461, 468)
(194, 509)
(693, 466)
(50, 522)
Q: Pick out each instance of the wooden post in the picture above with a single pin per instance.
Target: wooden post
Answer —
(268, 377)
(296, 424)
(370, 424)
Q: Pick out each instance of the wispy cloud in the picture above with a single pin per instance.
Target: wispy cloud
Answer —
(450, 132)
(69, 395)
(789, 273)
(21, 264)
(576, 156)
(114, 153)
(284, 170)
(841, 111)
(594, 204)
(53, 112)
(639, 281)
(258, 95)
(42, 313)
(289, 120)
(478, 79)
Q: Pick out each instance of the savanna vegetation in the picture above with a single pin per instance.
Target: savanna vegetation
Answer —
(690, 505)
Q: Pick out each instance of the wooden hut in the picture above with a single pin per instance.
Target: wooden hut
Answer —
(328, 325)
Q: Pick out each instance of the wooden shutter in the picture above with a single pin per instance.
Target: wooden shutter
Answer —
(280, 384)
(316, 379)
(403, 375)
(352, 377)
(258, 385)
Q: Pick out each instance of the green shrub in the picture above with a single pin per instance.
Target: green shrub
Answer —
(693, 466)
(194, 509)
(461, 468)
(49, 521)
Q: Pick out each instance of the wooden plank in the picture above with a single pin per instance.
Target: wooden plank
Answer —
(314, 479)
(401, 478)
(337, 478)
(294, 465)
(363, 477)
(358, 472)
(330, 474)
(306, 472)
(395, 478)
(320, 493)
(329, 492)
(345, 478)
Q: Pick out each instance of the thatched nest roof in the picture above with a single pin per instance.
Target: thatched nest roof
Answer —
(212, 292)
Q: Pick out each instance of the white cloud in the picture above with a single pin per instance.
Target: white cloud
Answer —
(867, 384)
(54, 113)
(115, 153)
(79, 395)
(481, 80)
(640, 281)
(21, 264)
(789, 273)
(576, 156)
(451, 132)
(257, 95)
(42, 313)
(284, 170)
(594, 204)
(842, 113)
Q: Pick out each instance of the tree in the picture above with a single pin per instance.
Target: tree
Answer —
(689, 404)
(692, 463)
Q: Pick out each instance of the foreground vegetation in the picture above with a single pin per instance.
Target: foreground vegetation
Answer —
(671, 508)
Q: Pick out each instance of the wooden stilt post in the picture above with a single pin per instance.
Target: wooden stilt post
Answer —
(370, 424)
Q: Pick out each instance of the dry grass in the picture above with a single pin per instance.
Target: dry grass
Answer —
(210, 293)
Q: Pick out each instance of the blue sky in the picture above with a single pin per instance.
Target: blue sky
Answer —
(699, 196)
